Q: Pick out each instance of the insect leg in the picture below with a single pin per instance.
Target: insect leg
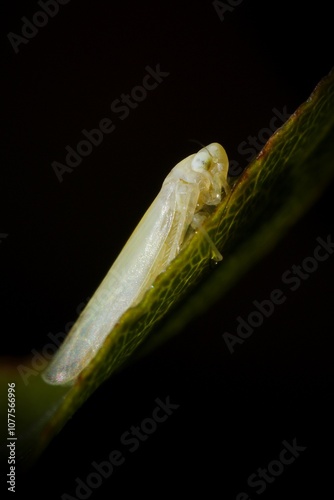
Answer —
(197, 225)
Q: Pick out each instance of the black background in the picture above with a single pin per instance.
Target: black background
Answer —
(225, 78)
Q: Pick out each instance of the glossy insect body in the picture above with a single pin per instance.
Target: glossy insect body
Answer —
(192, 186)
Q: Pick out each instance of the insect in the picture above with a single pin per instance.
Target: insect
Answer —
(189, 191)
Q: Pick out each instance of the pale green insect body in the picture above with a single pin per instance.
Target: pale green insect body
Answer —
(192, 186)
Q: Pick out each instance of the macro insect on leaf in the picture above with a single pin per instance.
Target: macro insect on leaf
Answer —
(189, 193)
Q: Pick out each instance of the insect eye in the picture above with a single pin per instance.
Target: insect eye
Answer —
(201, 161)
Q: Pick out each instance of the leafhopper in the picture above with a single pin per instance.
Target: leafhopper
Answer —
(193, 186)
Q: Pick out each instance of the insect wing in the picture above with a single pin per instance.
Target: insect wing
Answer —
(154, 243)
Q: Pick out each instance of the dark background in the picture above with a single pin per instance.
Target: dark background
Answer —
(225, 79)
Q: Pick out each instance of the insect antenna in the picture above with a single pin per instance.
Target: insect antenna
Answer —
(197, 142)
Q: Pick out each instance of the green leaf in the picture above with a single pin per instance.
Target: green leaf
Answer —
(285, 179)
